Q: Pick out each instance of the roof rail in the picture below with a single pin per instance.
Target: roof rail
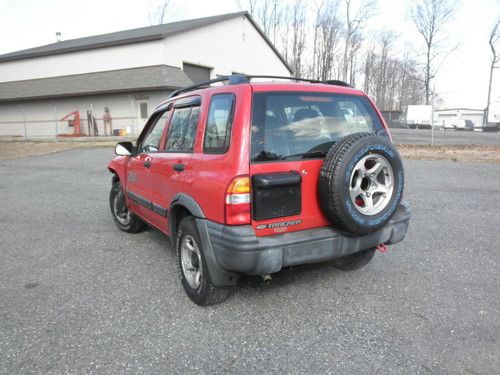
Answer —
(233, 79)
(236, 79)
(328, 82)
(337, 82)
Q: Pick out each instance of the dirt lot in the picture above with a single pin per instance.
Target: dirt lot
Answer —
(16, 149)
(462, 153)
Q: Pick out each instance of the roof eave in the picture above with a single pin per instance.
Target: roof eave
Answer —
(263, 35)
(81, 94)
(147, 38)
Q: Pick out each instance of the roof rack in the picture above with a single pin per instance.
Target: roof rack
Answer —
(236, 79)
(328, 82)
(233, 79)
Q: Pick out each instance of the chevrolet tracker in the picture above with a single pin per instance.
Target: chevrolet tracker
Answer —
(251, 177)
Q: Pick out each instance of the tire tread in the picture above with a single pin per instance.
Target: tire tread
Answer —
(329, 190)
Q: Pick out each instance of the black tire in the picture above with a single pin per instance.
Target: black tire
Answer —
(336, 176)
(354, 261)
(124, 219)
(206, 293)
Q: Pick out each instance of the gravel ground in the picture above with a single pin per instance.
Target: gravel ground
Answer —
(79, 296)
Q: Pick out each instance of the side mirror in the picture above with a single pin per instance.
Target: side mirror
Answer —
(124, 149)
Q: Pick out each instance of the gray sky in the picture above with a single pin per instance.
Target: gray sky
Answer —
(462, 80)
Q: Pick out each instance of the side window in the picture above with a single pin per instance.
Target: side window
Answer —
(182, 131)
(151, 142)
(219, 123)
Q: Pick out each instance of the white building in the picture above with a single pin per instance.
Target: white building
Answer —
(475, 115)
(130, 72)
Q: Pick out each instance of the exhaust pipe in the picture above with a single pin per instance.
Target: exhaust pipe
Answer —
(267, 279)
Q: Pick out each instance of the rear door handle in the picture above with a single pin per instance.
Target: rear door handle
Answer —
(178, 167)
(147, 164)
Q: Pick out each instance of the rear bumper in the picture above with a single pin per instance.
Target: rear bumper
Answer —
(238, 250)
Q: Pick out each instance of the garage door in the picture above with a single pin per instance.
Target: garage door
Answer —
(196, 73)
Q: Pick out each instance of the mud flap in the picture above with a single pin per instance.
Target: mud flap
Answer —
(218, 276)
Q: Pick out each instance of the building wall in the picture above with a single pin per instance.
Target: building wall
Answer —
(475, 116)
(39, 117)
(232, 45)
(97, 60)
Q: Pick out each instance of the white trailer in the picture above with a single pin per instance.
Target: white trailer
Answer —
(419, 116)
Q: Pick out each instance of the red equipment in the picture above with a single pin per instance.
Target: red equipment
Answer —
(73, 122)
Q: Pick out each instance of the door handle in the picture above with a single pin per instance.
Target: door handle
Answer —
(147, 164)
(178, 167)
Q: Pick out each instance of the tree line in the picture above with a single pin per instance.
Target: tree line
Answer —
(328, 39)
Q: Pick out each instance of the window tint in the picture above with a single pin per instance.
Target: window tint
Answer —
(219, 123)
(182, 131)
(298, 125)
(151, 142)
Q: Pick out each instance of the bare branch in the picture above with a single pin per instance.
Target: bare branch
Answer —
(429, 18)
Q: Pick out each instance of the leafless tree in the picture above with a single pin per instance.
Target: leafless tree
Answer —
(386, 39)
(327, 32)
(430, 17)
(356, 41)
(390, 77)
(318, 14)
(495, 59)
(293, 36)
(162, 11)
(269, 16)
(369, 66)
(354, 22)
(250, 5)
(298, 37)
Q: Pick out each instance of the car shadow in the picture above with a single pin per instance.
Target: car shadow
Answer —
(291, 275)
(309, 274)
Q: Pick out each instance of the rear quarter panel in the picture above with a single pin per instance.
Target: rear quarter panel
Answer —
(208, 175)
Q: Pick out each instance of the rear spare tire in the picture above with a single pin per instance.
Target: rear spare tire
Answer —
(361, 183)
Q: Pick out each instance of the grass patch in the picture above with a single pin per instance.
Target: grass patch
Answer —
(461, 153)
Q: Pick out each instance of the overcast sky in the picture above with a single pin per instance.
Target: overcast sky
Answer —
(462, 80)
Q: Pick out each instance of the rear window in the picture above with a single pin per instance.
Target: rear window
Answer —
(292, 126)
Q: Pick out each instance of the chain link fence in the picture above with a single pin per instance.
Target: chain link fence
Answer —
(29, 124)
(440, 135)
(54, 125)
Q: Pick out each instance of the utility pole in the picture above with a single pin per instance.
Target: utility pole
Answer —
(494, 38)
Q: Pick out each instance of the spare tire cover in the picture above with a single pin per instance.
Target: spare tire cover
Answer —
(361, 183)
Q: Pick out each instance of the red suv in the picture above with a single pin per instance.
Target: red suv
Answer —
(249, 177)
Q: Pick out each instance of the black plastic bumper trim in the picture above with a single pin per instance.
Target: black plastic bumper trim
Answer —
(160, 210)
(238, 249)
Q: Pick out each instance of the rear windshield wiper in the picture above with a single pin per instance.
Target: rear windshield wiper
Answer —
(305, 155)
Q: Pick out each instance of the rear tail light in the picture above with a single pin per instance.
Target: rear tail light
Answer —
(237, 201)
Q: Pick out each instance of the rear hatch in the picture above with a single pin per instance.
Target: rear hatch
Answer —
(291, 133)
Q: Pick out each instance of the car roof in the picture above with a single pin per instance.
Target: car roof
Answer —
(304, 86)
(272, 86)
